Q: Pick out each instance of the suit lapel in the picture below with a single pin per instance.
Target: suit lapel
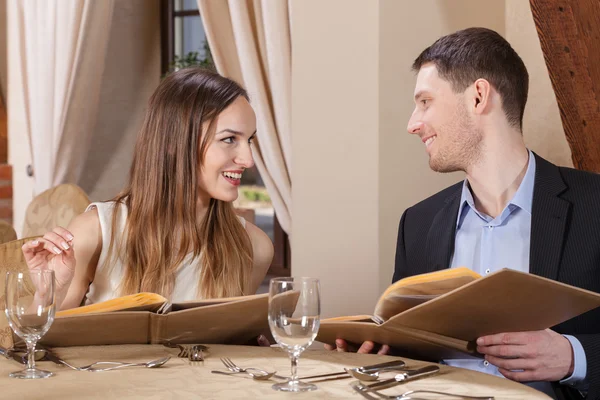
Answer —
(548, 220)
(440, 238)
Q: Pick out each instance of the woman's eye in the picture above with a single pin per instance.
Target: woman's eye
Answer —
(424, 102)
(228, 140)
(251, 140)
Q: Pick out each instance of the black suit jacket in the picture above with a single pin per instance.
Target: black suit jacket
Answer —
(565, 244)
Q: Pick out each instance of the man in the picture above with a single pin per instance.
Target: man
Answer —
(514, 209)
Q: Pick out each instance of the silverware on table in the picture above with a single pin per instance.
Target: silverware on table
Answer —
(409, 395)
(185, 349)
(117, 365)
(20, 355)
(256, 377)
(230, 365)
(196, 354)
(391, 365)
(405, 376)
(367, 394)
(8, 353)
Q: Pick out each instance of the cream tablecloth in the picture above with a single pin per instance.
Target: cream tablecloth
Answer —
(178, 379)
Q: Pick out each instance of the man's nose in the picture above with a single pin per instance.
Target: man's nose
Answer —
(414, 125)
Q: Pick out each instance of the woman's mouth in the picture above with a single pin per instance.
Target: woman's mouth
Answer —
(235, 178)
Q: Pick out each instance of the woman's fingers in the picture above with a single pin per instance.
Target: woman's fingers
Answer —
(65, 234)
(59, 243)
(32, 247)
(36, 256)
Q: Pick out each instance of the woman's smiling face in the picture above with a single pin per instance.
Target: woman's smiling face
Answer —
(228, 154)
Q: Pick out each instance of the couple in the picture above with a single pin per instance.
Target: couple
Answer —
(173, 231)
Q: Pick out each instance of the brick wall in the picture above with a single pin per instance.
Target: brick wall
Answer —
(6, 194)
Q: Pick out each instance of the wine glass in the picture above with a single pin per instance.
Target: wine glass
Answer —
(294, 318)
(30, 314)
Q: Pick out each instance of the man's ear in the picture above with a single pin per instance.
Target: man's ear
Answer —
(481, 96)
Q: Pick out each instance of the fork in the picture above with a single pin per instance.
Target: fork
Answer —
(91, 366)
(230, 365)
(408, 395)
(196, 354)
(184, 350)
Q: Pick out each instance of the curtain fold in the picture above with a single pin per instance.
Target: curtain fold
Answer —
(250, 43)
(62, 49)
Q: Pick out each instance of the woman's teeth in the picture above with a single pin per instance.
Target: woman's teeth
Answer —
(232, 175)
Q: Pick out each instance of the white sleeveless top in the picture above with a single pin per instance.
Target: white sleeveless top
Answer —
(107, 278)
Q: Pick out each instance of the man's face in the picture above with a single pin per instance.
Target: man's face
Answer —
(442, 120)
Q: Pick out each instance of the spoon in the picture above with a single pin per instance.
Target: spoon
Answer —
(256, 377)
(150, 364)
(364, 373)
(363, 376)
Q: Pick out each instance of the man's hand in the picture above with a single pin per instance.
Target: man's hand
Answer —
(541, 355)
(366, 348)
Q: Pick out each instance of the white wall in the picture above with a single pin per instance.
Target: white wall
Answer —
(335, 122)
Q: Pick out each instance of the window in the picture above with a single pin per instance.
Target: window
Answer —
(183, 43)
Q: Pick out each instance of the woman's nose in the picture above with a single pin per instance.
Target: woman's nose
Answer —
(244, 157)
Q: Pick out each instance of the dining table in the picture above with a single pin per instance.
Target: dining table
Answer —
(180, 378)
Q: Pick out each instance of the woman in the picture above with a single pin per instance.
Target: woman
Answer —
(173, 230)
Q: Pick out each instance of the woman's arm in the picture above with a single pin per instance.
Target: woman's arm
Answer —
(262, 248)
(87, 235)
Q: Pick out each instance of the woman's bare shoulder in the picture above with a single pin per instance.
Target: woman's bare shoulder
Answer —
(86, 229)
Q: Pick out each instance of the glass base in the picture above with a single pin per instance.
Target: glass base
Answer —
(31, 374)
(294, 386)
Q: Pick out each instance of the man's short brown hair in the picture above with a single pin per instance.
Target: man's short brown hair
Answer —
(470, 54)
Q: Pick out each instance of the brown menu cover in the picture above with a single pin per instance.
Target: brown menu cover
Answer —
(446, 326)
(226, 321)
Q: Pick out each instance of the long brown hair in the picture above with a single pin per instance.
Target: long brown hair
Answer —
(162, 194)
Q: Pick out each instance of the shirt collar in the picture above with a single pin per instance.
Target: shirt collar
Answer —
(523, 198)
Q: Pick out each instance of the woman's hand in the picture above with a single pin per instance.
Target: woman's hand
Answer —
(54, 252)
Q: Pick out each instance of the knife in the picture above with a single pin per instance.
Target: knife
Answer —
(403, 377)
(20, 356)
(52, 357)
(366, 369)
(11, 354)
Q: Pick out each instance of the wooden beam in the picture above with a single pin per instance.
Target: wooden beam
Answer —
(569, 32)
(3, 132)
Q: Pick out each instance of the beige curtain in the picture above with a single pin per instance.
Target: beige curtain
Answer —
(250, 43)
(62, 46)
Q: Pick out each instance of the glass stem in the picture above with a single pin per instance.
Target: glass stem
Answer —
(294, 358)
(30, 354)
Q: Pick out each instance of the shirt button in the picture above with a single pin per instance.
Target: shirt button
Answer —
(486, 363)
(487, 271)
(490, 227)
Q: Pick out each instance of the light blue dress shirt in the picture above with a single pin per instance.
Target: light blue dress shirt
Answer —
(485, 245)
